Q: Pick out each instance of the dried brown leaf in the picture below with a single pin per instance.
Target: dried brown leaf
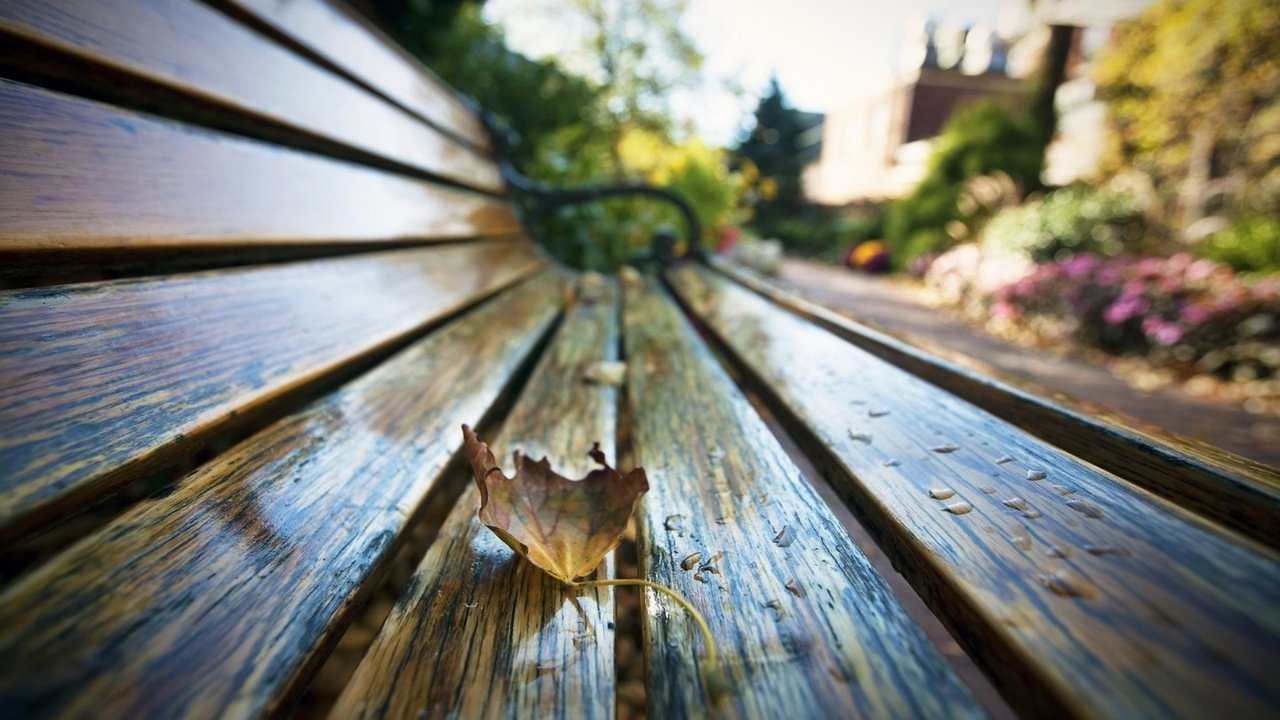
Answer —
(565, 527)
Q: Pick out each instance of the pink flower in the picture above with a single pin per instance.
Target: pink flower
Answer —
(1003, 310)
(1194, 314)
(1126, 307)
(1169, 334)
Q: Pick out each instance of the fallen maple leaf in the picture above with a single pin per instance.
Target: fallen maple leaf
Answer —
(564, 527)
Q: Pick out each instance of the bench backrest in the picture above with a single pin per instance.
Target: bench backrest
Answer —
(141, 138)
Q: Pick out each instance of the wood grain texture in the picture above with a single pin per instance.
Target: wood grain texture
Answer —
(1242, 494)
(99, 381)
(219, 599)
(805, 625)
(83, 175)
(342, 37)
(1082, 594)
(481, 633)
(184, 54)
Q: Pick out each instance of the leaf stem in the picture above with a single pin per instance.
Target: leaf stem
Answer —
(713, 662)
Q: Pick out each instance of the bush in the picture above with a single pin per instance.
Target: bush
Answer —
(982, 139)
(1067, 221)
(1250, 244)
(1193, 314)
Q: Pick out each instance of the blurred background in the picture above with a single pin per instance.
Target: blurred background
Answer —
(1095, 180)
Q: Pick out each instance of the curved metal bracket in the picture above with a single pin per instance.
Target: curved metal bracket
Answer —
(547, 199)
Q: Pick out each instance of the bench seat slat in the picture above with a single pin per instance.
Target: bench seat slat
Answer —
(515, 645)
(131, 180)
(1083, 594)
(200, 58)
(100, 380)
(353, 44)
(1242, 494)
(805, 625)
(217, 600)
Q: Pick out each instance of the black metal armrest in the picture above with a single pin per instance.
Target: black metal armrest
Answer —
(547, 199)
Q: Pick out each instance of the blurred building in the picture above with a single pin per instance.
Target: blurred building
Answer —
(877, 147)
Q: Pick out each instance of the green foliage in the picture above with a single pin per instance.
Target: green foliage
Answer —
(537, 98)
(601, 236)
(982, 139)
(574, 129)
(1192, 93)
(1074, 219)
(1250, 244)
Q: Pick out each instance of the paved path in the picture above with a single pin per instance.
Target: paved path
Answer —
(892, 307)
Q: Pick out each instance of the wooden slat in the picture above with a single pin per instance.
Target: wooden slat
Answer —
(481, 633)
(80, 175)
(805, 625)
(332, 31)
(218, 600)
(101, 380)
(1242, 494)
(1083, 595)
(181, 57)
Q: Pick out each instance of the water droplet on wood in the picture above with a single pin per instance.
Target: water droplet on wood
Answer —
(1106, 550)
(945, 448)
(1036, 475)
(1067, 584)
(1085, 508)
(1063, 490)
(988, 489)
(1021, 538)
(673, 523)
(959, 508)
(941, 493)
(877, 413)
(795, 588)
(1032, 514)
(784, 538)
(690, 561)
(1016, 503)
(860, 437)
(892, 463)
(1057, 552)
(1003, 459)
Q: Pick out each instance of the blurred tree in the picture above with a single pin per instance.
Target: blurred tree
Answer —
(1193, 88)
(774, 148)
(636, 53)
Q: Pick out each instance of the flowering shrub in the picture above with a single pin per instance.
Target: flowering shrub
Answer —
(1177, 311)
(1074, 219)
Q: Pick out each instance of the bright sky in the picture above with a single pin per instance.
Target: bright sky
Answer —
(825, 52)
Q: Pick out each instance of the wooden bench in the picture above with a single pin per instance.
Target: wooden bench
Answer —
(261, 268)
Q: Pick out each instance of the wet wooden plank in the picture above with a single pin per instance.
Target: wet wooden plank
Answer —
(100, 381)
(1082, 594)
(184, 59)
(481, 633)
(332, 31)
(806, 626)
(1239, 493)
(83, 175)
(220, 599)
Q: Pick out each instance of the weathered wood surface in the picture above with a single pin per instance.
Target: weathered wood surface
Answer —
(348, 41)
(219, 599)
(181, 57)
(1237, 492)
(80, 174)
(806, 627)
(100, 380)
(481, 633)
(1082, 594)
